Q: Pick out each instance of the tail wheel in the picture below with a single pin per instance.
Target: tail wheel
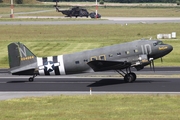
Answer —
(31, 79)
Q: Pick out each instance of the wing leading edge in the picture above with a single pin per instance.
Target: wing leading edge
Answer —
(101, 65)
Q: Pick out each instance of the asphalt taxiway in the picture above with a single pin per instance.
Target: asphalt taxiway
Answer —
(96, 84)
(17, 87)
(165, 80)
(104, 20)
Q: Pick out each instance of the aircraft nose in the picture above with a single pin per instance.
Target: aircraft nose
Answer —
(170, 48)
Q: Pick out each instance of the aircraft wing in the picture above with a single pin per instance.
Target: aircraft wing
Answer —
(101, 65)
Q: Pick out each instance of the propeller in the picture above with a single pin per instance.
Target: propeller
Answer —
(151, 60)
(152, 64)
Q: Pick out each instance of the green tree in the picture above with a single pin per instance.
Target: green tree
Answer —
(19, 1)
(101, 2)
(178, 2)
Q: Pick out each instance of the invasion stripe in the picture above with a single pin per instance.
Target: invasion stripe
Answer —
(61, 67)
(56, 68)
(40, 63)
(44, 61)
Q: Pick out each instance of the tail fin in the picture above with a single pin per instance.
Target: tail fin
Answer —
(56, 6)
(21, 59)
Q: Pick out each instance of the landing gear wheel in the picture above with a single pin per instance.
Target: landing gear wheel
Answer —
(128, 78)
(31, 79)
(134, 75)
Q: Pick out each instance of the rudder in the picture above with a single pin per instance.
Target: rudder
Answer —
(19, 55)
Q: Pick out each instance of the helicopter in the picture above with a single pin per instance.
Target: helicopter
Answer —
(77, 12)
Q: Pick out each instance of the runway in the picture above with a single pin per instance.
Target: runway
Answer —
(164, 79)
(84, 84)
(48, 86)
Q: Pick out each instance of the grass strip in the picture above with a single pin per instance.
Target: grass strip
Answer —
(96, 107)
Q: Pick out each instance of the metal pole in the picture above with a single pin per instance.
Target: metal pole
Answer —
(96, 8)
(12, 6)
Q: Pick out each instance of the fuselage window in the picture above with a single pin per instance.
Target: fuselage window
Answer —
(118, 54)
(111, 55)
(85, 60)
(136, 51)
(93, 58)
(127, 52)
(102, 57)
(154, 44)
(77, 62)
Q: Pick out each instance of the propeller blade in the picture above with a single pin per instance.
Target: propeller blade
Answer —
(150, 65)
(161, 60)
(153, 65)
(151, 60)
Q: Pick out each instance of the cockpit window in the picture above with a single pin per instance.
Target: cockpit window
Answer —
(158, 43)
(155, 43)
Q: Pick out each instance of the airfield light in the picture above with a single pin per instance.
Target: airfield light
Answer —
(12, 6)
(90, 91)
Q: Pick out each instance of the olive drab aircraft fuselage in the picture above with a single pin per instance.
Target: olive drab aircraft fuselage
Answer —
(75, 11)
(118, 57)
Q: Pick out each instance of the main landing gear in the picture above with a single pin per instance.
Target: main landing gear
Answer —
(129, 76)
(31, 79)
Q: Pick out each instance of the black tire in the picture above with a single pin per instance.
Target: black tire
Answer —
(134, 75)
(129, 78)
(31, 79)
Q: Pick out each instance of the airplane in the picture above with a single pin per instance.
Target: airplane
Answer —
(119, 57)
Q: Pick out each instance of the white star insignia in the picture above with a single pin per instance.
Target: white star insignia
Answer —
(49, 66)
